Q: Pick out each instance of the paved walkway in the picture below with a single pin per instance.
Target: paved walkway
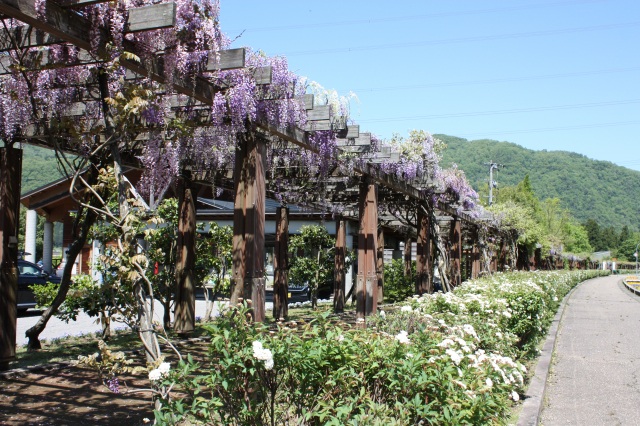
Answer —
(595, 372)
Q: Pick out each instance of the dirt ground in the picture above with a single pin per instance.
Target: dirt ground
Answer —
(68, 395)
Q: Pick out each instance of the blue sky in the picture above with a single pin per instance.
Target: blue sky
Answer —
(544, 74)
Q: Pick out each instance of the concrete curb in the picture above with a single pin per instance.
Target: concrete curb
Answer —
(534, 396)
(631, 289)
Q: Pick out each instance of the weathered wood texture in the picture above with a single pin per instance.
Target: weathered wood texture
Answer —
(380, 265)
(248, 233)
(367, 281)
(455, 257)
(280, 265)
(10, 172)
(185, 310)
(424, 281)
(339, 272)
(408, 242)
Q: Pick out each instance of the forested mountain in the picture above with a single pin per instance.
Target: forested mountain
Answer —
(590, 189)
(39, 167)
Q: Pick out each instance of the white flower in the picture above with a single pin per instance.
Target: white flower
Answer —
(145, 420)
(160, 372)
(164, 368)
(268, 364)
(383, 314)
(515, 396)
(340, 338)
(454, 355)
(155, 375)
(409, 355)
(446, 343)
(403, 337)
(262, 354)
(489, 382)
(406, 308)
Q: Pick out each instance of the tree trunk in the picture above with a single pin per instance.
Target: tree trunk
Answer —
(33, 334)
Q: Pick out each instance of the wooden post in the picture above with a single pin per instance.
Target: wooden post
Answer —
(475, 255)
(185, 311)
(248, 225)
(281, 266)
(239, 263)
(339, 273)
(407, 256)
(455, 236)
(10, 174)
(380, 265)
(367, 281)
(424, 283)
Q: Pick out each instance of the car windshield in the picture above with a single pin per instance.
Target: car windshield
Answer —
(26, 269)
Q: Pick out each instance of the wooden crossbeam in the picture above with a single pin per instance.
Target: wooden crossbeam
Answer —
(79, 3)
(319, 112)
(154, 16)
(226, 60)
(362, 139)
(40, 60)
(67, 26)
(71, 27)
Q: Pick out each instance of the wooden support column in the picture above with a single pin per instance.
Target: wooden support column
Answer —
(339, 272)
(248, 225)
(10, 174)
(424, 283)
(475, 256)
(185, 311)
(281, 265)
(367, 281)
(380, 265)
(407, 256)
(455, 235)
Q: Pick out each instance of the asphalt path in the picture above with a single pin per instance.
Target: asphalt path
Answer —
(594, 378)
(84, 324)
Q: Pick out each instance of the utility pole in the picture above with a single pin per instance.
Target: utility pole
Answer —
(492, 183)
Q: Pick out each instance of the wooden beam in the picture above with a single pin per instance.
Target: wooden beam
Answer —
(339, 272)
(41, 60)
(367, 281)
(60, 25)
(79, 3)
(281, 265)
(10, 173)
(151, 17)
(226, 60)
(319, 112)
(424, 284)
(185, 304)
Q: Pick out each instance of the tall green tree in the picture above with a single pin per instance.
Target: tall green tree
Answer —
(313, 260)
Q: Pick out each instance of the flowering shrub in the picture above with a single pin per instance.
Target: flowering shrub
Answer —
(437, 359)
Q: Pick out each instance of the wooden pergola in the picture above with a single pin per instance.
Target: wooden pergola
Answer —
(356, 189)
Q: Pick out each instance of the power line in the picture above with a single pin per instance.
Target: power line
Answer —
(553, 129)
(506, 111)
(466, 39)
(420, 17)
(497, 80)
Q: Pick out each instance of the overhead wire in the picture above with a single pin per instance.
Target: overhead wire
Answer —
(505, 111)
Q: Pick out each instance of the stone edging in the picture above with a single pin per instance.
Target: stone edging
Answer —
(534, 396)
(631, 289)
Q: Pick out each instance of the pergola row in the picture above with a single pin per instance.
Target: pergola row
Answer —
(364, 184)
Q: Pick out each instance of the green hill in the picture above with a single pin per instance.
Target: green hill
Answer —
(590, 189)
(39, 167)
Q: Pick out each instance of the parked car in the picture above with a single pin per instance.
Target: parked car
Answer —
(30, 274)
